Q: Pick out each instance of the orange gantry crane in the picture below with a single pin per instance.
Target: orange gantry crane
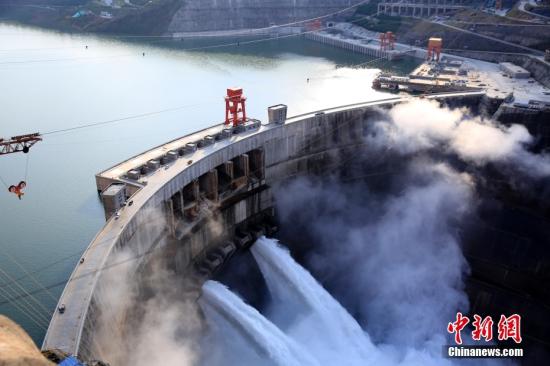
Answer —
(235, 107)
(434, 48)
(387, 41)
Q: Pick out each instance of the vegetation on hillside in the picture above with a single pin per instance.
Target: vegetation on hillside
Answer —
(139, 17)
(152, 19)
(369, 9)
(417, 31)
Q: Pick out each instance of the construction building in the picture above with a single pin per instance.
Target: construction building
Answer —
(514, 71)
(420, 8)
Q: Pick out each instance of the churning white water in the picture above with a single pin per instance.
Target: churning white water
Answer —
(307, 326)
(269, 341)
(322, 324)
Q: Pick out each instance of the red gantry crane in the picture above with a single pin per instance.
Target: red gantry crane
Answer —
(434, 48)
(387, 41)
(235, 109)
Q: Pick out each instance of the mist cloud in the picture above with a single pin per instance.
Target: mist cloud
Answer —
(422, 125)
(162, 327)
(393, 256)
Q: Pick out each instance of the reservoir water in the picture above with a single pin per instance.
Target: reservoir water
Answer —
(52, 81)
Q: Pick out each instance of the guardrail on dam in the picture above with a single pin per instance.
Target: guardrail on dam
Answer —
(214, 171)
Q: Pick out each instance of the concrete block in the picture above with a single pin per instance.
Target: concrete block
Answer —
(207, 141)
(153, 165)
(113, 199)
(224, 134)
(514, 71)
(253, 124)
(169, 157)
(133, 174)
(277, 114)
(190, 148)
(239, 129)
(244, 240)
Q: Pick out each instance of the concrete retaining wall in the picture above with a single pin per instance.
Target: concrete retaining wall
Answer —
(357, 48)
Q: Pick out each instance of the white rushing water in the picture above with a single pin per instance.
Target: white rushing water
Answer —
(269, 341)
(309, 326)
(303, 325)
(323, 326)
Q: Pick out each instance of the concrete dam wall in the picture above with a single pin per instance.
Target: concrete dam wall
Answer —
(216, 15)
(217, 191)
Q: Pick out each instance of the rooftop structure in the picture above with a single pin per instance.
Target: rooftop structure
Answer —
(420, 8)
(514, 71)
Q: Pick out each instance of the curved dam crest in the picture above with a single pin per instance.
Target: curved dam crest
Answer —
(220, 174)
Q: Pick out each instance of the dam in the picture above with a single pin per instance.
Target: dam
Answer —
(166, 199)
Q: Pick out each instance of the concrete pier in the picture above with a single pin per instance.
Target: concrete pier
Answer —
(369, 47)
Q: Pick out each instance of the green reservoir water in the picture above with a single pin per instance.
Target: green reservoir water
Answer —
(50, 81)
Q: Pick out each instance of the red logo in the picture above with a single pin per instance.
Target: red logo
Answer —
(483, 329)
(457, 326)
(508, 328)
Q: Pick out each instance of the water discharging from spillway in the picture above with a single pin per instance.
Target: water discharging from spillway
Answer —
(265, 337)
(304, 325)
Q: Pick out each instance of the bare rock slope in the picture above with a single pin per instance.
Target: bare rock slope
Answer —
(212, 15)
(17, 348)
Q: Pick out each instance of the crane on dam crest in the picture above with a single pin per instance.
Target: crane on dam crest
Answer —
(235, 107)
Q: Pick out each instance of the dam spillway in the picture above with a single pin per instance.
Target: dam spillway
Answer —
(226, 176)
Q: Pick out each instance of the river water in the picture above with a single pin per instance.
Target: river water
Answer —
(52, 81)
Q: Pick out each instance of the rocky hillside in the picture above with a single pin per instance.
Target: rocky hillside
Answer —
(205, 15)
(154, 17)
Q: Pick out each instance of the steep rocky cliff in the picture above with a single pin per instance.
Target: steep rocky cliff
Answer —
(206, 15)
(157, 17)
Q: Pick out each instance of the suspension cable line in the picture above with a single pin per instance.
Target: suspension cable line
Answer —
(25, 305)
(37, 307)
(4, 182)
(39, 323)
(147, 114)
(13, 260)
